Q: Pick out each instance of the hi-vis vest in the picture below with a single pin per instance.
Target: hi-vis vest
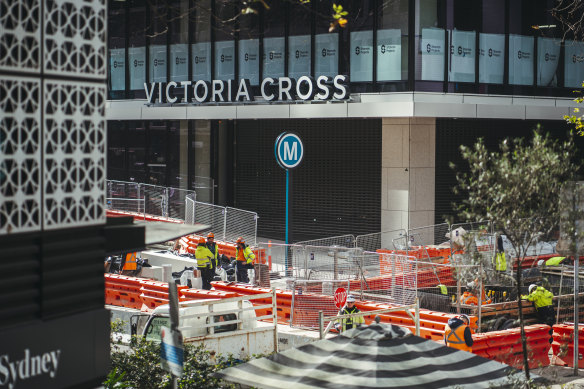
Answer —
(215, 253)
(455, 339)
(443, 289)
(203, 255)
(555, 261)
(500, 262)
(349, 322)
(247, 257)
(130, 263)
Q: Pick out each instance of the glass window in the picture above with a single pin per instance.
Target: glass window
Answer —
(158, 29)
(176, 177)
(299, 42)
(201, 149)
(548, 56)
(157, 140)
(273, 64)
(520, 60)
(117, 46)
(361, 24)
(392, 41)
(116, 150)
(226, 11)
(249, 60)
(137, 47)
(326, 60)
(432, 42)
(463, 20)
(179, 38)
(492, 43)
(201, 48)
(224, 60)
(137, 152)
(574, 64)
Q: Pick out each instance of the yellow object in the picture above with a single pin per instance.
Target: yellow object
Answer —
(540, 296)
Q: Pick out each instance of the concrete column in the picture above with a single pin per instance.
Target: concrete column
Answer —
(408, 172)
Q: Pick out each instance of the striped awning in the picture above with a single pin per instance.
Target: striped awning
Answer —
(375, 356)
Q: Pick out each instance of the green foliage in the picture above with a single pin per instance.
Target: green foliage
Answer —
(115, 380)
(576, 119)
(140, 367)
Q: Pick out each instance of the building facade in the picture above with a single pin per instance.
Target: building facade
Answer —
(198, 92)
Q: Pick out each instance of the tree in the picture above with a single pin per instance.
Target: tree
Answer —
(517, 188)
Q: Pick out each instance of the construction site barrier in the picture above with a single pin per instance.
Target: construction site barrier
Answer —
(142, 216)
(505, 346)
(200, 294)
(155, 293)
(123, 291)
(563, 345)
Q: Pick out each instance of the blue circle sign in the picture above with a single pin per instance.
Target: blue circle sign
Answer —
(289, 150)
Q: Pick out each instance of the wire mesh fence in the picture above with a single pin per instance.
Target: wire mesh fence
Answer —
(128, 205)
(190, 209)
(340, 241)
(386, 240)
(283, 256)
(205, 188)
(560, 281)
(176, 202)
(211, 215)
(240, 223)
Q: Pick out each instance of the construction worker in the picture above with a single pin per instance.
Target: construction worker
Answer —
(204, 257)
(443, 289)
(212, 246)
(469, 297)
(457, 333)
(499, 260)
(554, 261)
(542, 298)
(349, 308)
(245, 258)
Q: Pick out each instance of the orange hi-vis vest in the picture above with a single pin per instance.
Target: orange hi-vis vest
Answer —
(455, 339)
(130, 263)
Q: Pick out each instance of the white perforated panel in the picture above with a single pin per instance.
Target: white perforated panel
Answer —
(20, 35)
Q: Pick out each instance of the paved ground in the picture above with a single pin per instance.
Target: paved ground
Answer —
(561, 377)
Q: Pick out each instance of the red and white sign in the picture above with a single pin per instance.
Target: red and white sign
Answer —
(340, 297)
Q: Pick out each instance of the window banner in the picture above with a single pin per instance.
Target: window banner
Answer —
(157, 72)
(462, 56)
(137, 59)
(117, 69)
(201, 53)
(361, 56)
(179, 64)
(389, 55)
(520, 60)
(273, 57)
(548, 55)
(491, 58)
(224, 62)
(326, 59)
(298, 56)
(574, 64)
(249, 50)
(432, 47)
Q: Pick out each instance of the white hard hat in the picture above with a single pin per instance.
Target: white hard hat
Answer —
(463, 316)
(540, 263)
(350, 298)
(532, 287)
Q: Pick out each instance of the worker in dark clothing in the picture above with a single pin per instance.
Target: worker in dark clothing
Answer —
(212, 246)
(457, 333)
(542, 299)
(350, 308)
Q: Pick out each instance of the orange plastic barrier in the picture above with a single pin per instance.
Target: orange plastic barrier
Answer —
(141, 216)
(505, 346)
(155, 293)
(201, 294)
(122, 291)
(563, 345)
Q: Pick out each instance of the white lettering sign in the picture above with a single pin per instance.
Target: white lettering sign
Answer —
(28, 367)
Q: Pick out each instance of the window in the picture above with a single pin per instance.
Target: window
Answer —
(361, 57)
(157, 50)
(432, 42)
(117, 48)
(201, 47)
(492, 43)
(179, 52)
(299, 41)
(392, 41)
(136, 48)
(273, 56)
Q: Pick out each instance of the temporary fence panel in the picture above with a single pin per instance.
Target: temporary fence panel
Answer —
(156, 200)
(386, 240)
(190, 209)
(279, 255)
(240, 223)
(421, 237)
(123, 204)
(560, 281)
(176, 202)
(213, 216)
(390, 278)
(330, 263)
(340, 241)
(121, 189)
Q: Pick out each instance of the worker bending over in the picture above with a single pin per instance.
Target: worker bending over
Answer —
(554, 261)
(204, 256)
(245, 258)
(469, 297)
(542, 298)
(457, 333)
(349, 309)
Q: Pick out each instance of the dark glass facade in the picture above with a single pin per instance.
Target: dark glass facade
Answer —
(455, 46)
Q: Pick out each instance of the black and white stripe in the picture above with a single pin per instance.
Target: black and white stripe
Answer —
(377, 356)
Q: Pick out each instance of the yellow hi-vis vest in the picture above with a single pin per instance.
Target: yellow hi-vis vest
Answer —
(443, 289)
(248, 255)
(351, 321)
(500, 262)
(203, 255)
(540, 296)
(216, 253)
(555, 261)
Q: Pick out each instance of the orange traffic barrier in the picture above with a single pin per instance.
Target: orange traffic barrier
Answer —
(201, 294)
(155, 293)
(122, 291)
(563, 345)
